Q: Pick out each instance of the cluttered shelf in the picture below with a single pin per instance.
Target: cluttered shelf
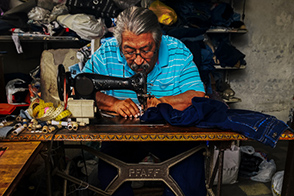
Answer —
(41, 37)
(34, 37)
(223, 64)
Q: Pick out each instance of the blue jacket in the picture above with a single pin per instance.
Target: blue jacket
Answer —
(209, 113)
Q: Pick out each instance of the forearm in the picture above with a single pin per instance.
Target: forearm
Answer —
(105, 102)
(182, 101)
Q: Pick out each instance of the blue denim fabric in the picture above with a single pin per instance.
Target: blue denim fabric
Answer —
(208, 113)
(261, 127)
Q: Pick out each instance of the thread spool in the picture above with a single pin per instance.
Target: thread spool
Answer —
(69, 126)
(17, 125)
(30, 126)
(18, 119)
(25, 123)
(45, 129)
(62, 123)
(51, 128)
(18, 130)
(75, 126)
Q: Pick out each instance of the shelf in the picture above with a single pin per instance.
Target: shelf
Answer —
(229, 68)
(226, 30)
(34, 37)
(233, 100)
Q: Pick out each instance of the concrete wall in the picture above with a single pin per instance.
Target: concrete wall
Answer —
(266, 85)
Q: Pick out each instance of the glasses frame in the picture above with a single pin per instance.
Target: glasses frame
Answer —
(136, 54)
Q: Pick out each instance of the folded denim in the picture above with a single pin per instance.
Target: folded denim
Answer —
(209, 113)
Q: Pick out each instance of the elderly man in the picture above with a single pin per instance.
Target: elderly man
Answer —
(173, 78)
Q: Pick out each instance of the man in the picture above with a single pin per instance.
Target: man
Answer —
(172, 78)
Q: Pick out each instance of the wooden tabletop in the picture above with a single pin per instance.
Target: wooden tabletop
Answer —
(14, 162)
(120, 129)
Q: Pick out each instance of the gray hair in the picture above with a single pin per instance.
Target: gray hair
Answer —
(137, 20)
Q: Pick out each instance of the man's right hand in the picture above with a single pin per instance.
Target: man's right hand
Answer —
(126, 108)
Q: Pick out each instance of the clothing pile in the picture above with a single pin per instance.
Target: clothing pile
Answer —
(85, 20)
(193, 21)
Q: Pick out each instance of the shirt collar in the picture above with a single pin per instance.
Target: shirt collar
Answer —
(120, 56)
(163, 53)
(161, 62)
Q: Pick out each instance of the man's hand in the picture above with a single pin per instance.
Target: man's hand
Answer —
(153, 102)
(126, 108)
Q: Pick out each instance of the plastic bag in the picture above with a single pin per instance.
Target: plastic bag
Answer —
(15, 86)
(165, 14)
(277, 183)
(58, 10)
(266, 171)
(86, 26)
(247, 149)
(38, 14)
(232, 159)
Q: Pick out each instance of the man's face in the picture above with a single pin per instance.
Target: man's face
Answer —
(139, 51)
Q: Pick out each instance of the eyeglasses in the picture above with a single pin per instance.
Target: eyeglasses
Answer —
(145, 54)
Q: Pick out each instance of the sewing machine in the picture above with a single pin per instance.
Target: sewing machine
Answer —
(85, 85)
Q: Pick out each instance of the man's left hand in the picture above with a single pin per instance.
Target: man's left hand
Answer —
(153, 102)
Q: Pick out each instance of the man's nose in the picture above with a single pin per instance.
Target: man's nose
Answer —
(138, 60)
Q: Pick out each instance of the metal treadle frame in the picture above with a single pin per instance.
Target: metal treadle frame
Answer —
(133, 172)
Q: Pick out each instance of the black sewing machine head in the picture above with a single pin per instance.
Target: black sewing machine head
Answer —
(87, 84)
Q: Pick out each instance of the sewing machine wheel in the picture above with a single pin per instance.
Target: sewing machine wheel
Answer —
(62, 82)
(84, 87)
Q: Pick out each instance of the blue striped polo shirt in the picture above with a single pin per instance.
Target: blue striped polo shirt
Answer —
(174, 73)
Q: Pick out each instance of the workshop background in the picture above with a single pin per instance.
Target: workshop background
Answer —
(266, 85)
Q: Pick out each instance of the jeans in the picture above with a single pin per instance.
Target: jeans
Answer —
(208, 113)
